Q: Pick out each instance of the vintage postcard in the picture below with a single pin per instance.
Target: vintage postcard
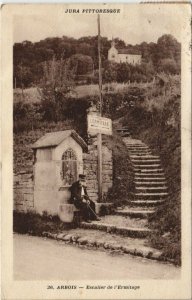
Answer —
(96, 151)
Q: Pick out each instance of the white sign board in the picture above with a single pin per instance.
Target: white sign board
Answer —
(97, 124)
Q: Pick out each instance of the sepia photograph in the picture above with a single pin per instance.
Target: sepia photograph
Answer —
(97, 164)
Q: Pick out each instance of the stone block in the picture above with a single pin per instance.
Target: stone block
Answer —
(29, 198)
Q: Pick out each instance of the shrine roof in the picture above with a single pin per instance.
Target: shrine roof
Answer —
(53, 139)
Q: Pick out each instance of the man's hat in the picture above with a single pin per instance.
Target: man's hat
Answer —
(82, 177)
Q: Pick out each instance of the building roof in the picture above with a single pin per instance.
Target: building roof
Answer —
(128, 51)
(53, 139)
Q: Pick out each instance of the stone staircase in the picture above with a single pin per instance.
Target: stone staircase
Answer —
(149, 178)
(150, 191)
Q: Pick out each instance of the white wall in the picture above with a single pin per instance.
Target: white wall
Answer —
(123, 58)
(130, 58)
(48, 189)
(113, 52)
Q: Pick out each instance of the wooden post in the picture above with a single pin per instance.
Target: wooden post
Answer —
(100, 181)
(99, 136)
(99, 58)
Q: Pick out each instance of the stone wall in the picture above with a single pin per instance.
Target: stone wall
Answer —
(90, 161)
(24, 184)
(23, 192)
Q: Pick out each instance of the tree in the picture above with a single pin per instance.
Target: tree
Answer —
(168, 65)
(83, 64)
(110, 72)
(58, 81)
(123, 72)
(168, 47)
(23, 76)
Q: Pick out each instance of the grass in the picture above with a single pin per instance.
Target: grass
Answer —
(32, 94)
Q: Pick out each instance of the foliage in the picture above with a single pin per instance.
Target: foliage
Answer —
(35, 224)
(127, 72)
(168, 65)
(29, 58)
(122, 171)
(26, 116)
(83, 64)
(57, 82)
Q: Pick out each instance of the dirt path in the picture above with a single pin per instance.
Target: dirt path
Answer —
(37, 259)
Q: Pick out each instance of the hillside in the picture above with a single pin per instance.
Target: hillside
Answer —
(157, 122)
(152, 114)
(33, 95)
(81, 57)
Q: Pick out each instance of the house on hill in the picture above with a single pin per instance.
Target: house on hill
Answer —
(124, 55)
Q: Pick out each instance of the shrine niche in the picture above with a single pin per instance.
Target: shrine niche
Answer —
(69, 167)
(58, 160)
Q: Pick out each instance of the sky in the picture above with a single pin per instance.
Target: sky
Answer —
(135, 23)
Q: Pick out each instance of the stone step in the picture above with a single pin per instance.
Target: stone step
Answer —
(146, 189)
(146, 157)
(150, 183)
(143, 161)
(129, 143)
(135, 213)
(138, 148)
(148, 170)
(129, 231)
(151, 187)
(141, 153)
(146, 203)
(136, 208)
(147, 176)
(133, 141)
(158, 195)
(143, 166)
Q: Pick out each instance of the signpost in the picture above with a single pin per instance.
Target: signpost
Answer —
(99, 136)
(97, 124)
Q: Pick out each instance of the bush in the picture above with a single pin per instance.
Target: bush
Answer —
(122, 172)
(36, 224)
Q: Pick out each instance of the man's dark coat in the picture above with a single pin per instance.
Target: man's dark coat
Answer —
(88, 211)
(76, 192)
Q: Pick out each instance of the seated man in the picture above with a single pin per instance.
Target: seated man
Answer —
(81, 200)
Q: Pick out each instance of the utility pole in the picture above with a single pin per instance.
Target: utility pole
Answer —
(99, 136)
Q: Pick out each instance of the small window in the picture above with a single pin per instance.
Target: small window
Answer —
(69, 167)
